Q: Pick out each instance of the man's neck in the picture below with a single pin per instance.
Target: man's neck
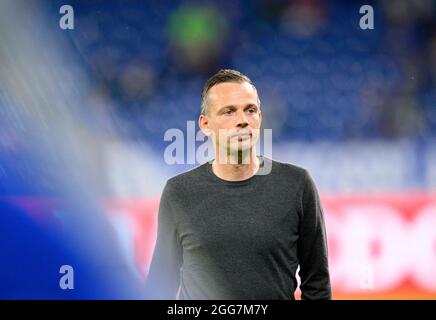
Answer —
(239, 166)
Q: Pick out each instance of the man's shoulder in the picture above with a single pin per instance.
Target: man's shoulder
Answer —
(293, 176)
(187, 177)
(279, 170)
(288, 169)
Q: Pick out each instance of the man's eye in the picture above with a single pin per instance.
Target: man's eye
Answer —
(252, 110)
(228, 112)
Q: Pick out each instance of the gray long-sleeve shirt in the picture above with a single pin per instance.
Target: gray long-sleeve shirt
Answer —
(221, 239)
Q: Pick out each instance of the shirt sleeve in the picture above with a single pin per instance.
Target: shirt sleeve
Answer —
(163, 279)
(312, 246)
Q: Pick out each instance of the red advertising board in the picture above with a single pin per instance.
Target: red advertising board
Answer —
(381, 246)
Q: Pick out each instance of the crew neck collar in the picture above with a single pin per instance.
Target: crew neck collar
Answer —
(236, 182)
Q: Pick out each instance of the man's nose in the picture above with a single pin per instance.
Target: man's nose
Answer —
(242, 120)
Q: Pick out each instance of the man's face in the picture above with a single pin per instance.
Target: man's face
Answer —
(233, 117)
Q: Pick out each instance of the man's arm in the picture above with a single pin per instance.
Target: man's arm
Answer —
(312, 246)
(164, 276)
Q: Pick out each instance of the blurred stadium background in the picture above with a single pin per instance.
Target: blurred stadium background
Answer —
(83, 114)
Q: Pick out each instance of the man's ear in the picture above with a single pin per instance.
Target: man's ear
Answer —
(260, 118)
(203, 123)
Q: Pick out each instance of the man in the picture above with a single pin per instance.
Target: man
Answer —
(239, 226)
